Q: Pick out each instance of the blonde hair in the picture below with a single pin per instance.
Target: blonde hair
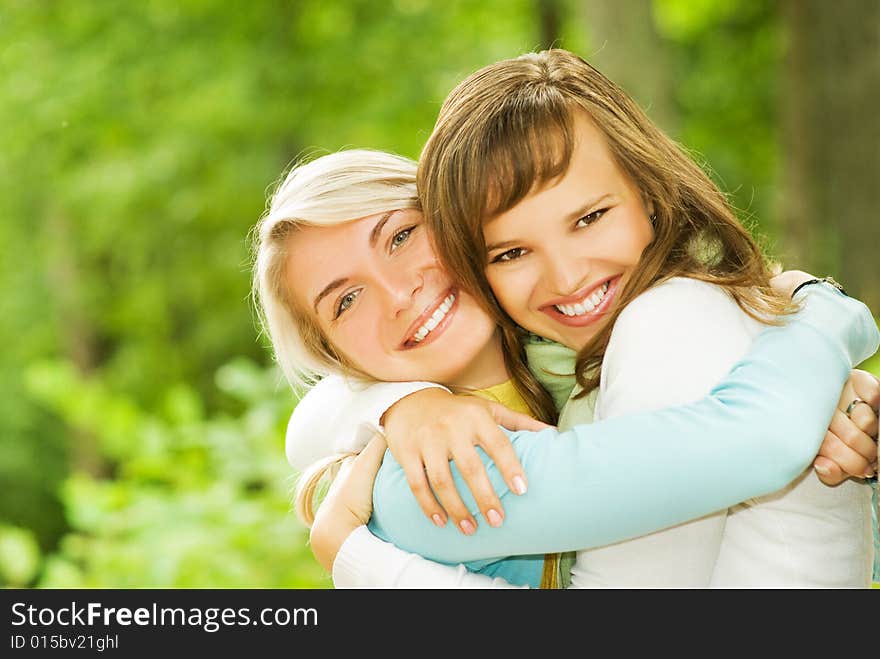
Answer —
(333, 189)
(508, 129)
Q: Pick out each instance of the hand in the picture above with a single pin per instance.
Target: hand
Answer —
(850, 445)
(348, 504)
(785, 282)
(428, 428)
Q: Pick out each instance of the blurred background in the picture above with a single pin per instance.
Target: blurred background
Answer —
(141, 419)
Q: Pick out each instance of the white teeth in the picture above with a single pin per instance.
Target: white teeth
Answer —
(432, 322)
(586, 305)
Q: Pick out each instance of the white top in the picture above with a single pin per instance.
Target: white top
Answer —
(668, 347)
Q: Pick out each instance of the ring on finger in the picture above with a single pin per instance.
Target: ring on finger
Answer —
(849, 408)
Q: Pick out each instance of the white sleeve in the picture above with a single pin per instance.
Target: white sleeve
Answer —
(365, 561)
(340, 414)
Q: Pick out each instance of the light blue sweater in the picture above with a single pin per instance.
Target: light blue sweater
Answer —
(756, 431)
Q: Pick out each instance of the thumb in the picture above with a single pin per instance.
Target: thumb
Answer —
(504, 416)
(366, 464)
(828, 472)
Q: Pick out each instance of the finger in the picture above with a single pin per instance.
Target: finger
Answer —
(853, 437)
(440, 477)
(417, 479)
(867, 387)
(473, 471)
(512, 420)
(828, 472)
(849, 461)
(362, 474)
(372, 455)
(864, 418)
(497, 445)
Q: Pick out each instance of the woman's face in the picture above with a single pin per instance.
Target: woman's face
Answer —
(558, 260)
(382, 299)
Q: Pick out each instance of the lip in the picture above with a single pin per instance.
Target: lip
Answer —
(587, 318)
(407, 344)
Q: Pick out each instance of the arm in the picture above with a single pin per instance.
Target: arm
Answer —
(365, 561)
(340, 414)
(762, 436)
(668, 347)
(339, 538)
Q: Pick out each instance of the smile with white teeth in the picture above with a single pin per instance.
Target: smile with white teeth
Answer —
(586, 305)
(432, 322)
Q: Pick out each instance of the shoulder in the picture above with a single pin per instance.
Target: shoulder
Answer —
(680, 298)
(340, 414)
(672, 343)
(678, 309)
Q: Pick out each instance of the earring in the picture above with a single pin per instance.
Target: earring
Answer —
(653, 218)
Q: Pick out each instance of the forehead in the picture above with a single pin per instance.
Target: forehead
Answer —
(591, 171)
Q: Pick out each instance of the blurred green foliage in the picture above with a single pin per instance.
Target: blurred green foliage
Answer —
(141, 419)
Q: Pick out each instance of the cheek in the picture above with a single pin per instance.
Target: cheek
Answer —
(421, 252)
(358, 342)
(512, 288)
(640, 235)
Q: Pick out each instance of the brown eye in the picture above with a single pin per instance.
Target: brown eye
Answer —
(510, 255)
(589, 219)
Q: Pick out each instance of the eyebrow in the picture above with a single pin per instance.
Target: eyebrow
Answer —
(329, 288)
(377, 230)
(583, 210)
(579, 213)
(336, 283)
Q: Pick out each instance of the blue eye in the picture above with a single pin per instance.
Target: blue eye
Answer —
(401, 237)
(590, 218)
(345, 303)
(510, 255)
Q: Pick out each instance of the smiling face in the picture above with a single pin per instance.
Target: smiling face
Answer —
(558, 260)
(383, 301)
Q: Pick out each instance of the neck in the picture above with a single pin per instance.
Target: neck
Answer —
(486, 370)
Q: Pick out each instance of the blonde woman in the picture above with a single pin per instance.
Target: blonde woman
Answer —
(354, 287)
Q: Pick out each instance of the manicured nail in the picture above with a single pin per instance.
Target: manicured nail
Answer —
(467, 527)
(438, 520)
(869, 473)
(519, 485)
(493, 517)
(824, 471)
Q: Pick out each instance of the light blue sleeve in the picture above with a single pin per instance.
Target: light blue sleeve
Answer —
(624, 477)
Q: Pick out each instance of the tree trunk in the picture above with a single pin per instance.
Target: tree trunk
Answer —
(550, 21)
(77, 335)
(626, 47)
(831, 143)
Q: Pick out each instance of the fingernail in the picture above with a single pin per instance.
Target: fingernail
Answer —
(467, 527)
(869, 473)
(824, 471)
(493, 517)
(519, 485)
(438, 520)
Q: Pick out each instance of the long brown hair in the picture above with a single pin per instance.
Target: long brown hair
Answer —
(508, 130)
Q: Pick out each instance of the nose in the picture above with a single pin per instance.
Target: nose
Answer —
(567, 273)
(399, 286)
